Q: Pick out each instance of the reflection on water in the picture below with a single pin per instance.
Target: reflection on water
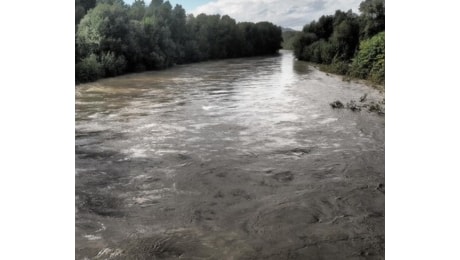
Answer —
(232, 159)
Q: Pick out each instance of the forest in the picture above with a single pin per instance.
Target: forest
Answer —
(346, 43)
(113, 38)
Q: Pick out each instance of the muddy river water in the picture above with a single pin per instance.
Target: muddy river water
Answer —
(233, 159)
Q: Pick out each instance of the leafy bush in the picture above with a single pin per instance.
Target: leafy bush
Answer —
(89, 69)
(113, 65)
(369, 63)
(340, 67)
(337, 66)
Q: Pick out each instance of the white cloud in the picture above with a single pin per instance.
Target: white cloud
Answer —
(287, 13)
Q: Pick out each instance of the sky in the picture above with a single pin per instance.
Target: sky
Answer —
(286, 13)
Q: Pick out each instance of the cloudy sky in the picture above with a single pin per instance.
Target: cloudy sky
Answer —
(287, 13)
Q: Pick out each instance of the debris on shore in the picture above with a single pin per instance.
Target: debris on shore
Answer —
(337, 104)
(372, 106)
(353, 106)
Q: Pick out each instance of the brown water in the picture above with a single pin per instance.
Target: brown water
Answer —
(234, 159)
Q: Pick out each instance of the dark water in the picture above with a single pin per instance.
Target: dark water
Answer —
(234, 159)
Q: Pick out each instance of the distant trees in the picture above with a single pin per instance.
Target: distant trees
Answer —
(113, 38)
(331, 38)
(334, 40)
(288, 39)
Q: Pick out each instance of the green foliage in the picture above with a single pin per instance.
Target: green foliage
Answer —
(112, 64)
(321, 51)
(289, 38)
(369, 63)
(332, 37)
(137, 10)
(114, 38)
(89, 69)
(302, 41)
(338, 67)
(346, 34)
(323, 28)
(372, 17)
(81, 8)
(103, 29)
(333, 41)
(111, 2)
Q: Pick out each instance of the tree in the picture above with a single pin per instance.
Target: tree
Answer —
(346, 34)
(289, 38)
(81, 8)
(137, 10)
(178, 32)
(372, 17)
(323, 28)
(101, 42)
(88, 69)
(302, 41)
(369, 63)
(104, 29)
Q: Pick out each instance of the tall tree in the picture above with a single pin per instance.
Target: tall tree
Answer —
(137, 10)
(372, 17)
(81, 8)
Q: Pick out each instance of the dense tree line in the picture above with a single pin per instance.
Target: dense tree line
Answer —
(289, 36)
(113, 38)
(347, 43)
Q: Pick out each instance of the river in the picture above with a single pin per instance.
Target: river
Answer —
(232, 159)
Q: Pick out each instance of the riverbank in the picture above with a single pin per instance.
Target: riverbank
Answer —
(331, 69)
(172, 66)
(366, 62)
